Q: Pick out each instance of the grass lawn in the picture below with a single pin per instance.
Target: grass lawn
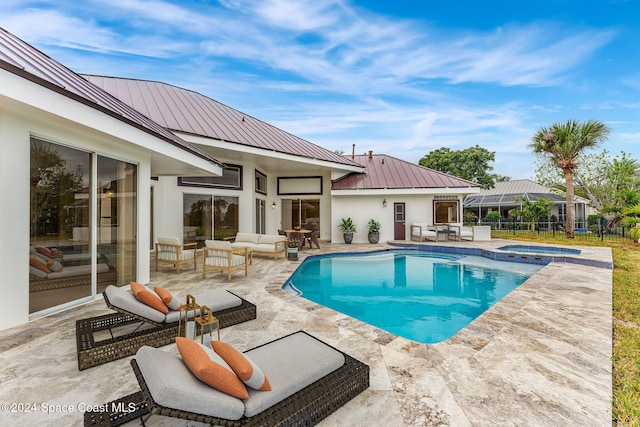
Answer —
(626, 324)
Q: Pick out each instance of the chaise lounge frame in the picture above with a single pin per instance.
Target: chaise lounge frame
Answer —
(93, 353)
(306, 407)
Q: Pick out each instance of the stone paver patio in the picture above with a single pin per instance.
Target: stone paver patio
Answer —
(539, 357)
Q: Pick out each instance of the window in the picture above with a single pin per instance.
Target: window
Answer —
(303, 212)
(445, 211)
(299, 185)
(231, 179)
(197, 218)
(225, 217)
(261, 216)
(261, 183)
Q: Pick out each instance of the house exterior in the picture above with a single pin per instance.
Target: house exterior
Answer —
(396, 193)
(273, 180)
(95, 168)
(75, 169)
(505, 196)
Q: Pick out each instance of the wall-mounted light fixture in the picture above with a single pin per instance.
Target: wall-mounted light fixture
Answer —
(384, 203)
(273, 205)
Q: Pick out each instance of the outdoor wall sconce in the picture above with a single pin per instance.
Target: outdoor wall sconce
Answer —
(384, 203)
(273, 205)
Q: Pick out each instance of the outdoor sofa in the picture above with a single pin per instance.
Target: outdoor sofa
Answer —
(272, 244)
(155, 328)
(309, 380)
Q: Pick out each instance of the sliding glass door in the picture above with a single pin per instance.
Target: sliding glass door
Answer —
(303, 212)
(74, 254)
(116, 213)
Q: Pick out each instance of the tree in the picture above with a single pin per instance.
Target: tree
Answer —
(471, 164)
(609, 183)
(562, 143)
(53, 188)
(532, 211)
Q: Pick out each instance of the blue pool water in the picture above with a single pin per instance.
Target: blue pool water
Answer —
(550, 250)
(422, 296)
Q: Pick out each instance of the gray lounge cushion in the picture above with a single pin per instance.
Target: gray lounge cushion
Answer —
(291, 364)
(171, 384)
(125, 300)
(216, 300)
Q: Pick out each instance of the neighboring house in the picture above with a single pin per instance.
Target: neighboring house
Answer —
(504, 197)
(94, 169)
(75, 175)
(396, 193)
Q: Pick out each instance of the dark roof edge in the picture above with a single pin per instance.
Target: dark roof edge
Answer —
(21, 72)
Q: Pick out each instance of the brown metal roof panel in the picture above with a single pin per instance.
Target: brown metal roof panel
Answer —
(28, 62)
(216, 120)
(384, 171)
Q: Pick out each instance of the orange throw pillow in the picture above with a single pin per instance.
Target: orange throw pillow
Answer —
(243, 366)
(44, 251)
(35, 262)
(166, 297)
(147, 297)
(206, 370)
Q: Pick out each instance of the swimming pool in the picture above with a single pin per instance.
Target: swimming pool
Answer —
(422, 296)
(551, 250)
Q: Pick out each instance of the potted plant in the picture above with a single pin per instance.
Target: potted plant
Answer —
(348, 228)
(292, 249)
(374, 231)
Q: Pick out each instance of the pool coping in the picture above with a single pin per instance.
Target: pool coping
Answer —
(495, 254)
(556, 316)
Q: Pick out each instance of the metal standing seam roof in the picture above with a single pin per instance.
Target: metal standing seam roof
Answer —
(24, 60)
(386, 172)
(508, 192)
(187, 111)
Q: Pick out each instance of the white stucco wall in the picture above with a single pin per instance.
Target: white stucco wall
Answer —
(14, 220)
(168, 202)
(363, 207)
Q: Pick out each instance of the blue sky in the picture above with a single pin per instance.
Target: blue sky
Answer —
(402, 78)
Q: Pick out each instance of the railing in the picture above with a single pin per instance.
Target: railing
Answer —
(599, 229)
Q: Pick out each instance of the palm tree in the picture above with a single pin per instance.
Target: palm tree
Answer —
(562, 143)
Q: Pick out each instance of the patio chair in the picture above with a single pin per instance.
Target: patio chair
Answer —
(153, 327)
(312, 239)
(460, 232)
(170, 251)
(309, 380)
(220, 255)
(421, 231)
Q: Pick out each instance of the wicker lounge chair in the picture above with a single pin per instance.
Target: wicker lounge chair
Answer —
(156, 331)
(326, 388)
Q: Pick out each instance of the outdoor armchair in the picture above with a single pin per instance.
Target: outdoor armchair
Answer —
(220, 255)
(170, 251)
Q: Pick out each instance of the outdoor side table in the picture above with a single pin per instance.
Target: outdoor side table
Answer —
(189, 305)
(205, 319)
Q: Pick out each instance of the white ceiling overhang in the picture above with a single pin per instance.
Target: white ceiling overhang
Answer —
(268, 161)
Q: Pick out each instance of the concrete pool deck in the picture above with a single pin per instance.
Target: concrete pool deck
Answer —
(539, 357)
